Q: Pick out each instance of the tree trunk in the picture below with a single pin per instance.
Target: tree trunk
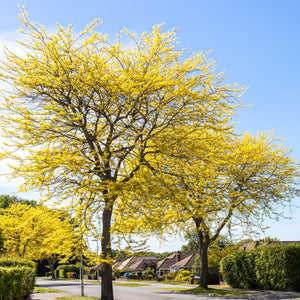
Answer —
(204, 241)
(51, 265)
(106, 272)
(204, 264)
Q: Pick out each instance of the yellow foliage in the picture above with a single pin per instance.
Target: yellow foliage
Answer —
(214, 179)
(38, 233)
(183, 275)
(83, 115)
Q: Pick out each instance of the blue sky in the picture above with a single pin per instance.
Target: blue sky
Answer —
(256, 42)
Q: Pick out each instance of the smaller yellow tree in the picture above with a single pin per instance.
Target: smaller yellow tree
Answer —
(38, 233)
(210, 182)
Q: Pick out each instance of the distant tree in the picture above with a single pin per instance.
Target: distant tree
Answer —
(116, 254)
(197, 266)
(7, 200)
(191, 237)
(38, 233)
(149, 265)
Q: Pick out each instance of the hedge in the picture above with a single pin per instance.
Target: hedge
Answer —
(17, 278)
(278, 267)
(238, 270)
(270, 267)
(12, 262)
(62, 270)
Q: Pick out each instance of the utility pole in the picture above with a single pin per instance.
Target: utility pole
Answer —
(81, 273)
(97, 258)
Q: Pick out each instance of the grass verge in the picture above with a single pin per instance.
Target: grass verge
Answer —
(158, 282)
(130, 284)
(208, 291)
(211, 291)
(78, 298)
(47, 290)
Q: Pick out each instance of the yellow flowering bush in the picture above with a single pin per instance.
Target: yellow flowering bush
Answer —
(183, 275)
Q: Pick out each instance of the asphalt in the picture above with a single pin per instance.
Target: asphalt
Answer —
(264, 296)
(139, 293)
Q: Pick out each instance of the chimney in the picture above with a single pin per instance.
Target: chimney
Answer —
(177, 256)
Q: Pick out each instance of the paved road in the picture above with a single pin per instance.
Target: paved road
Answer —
(153, 292)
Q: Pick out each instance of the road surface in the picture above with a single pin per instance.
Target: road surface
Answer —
(154, 292)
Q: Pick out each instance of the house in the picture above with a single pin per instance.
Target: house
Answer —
(249, 246)
(186, 263)
(270, 243)
(136, 263)
(176, 261)
(256, 244)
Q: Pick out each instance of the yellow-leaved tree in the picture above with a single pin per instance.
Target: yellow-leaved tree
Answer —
(211, 181)
(86, 112)
(38, 233)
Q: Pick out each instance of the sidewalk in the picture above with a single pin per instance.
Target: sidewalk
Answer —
(49, 296)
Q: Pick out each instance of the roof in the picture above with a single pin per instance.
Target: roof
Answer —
(174, 259)
(165, 263)
(280, 243)
(143, 263)
(252, 245)
(122, 264)
(136, 263)
(187, 262)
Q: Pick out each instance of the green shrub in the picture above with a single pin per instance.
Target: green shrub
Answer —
(12, 262)
(16, 280)
(149, 274)
(196, 266)
(48, 274)
(70, 274)
(272, 267)
(169, 276)
(62, 270)
(238, 269)
(62, 273)
(132, 276)
(278, 267)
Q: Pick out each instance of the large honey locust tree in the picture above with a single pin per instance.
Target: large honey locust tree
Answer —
(82, 113)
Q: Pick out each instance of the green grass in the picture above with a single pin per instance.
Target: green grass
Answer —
(130, 284)
(78, 298)
(92, 281)
(200, 290)
(208, 291)
(47, 290)
(158, 282)
(174, 289)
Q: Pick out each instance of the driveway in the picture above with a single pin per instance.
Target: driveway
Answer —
(153, 292)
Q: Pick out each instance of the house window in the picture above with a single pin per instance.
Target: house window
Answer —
(174, 269)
